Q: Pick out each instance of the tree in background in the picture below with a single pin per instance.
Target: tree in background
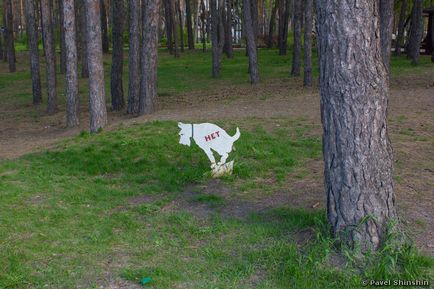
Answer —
(47, 28)
(104, 27)
(117, 91)
(416, 32)
(134, 56)
(62, 38)
(272, 24)
(401, 23)
(227, 18)
(217, 36)
(97, 106)
(354, 97)
(34, 52)
(9, 33)
(83, 41)
(181, 25)
(71, 62)
(296, 51)
(386, 28)
(308, 19)
(251, 41)
(168, 24)
(190, 35)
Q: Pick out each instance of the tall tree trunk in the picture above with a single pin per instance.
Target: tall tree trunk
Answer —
(354, 96)
(296, 52)
(62, 38)
(1, 45)
(97, 106)
(84, 62)
(34, 52)
(134, 57)
(203, 18)
(104, 27)
(272, 24)
(181, 25)
(49, 56)
(72, 97)
(416, 31)
(10, 35)
(174, 27)
(432, 37)
(400, 36)
(5, 36)
(227, 48)
(117, 91)
(190, 35)
(308, 18)
(386, 28)
(148, 87)
(251, 41)
(216, 37)
(169, 25)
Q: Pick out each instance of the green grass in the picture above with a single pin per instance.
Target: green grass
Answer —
(66, 217)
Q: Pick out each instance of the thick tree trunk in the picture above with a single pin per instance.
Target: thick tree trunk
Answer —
(227, 47)
(104, 27)
(272, 24)
(386, 28)
(400, 36)
(148, 87)
(5, 36)
(84, 63)
(10, 35)
(190, 35)
(72, 97)
(181, 25)
(354, 96)
(134, 57)
(416, 32)
(169, 25)
(296, 51)
(97, 106)
(117, 91)
(34, 52)
(62, 38)
(216, 37)
(251, 42)
(49, 56)
(308, 18)
(432, 38)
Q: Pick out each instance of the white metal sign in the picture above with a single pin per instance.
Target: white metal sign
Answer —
(210, 137)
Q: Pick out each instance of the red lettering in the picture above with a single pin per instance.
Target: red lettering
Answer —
(207, 138)
(218, 133)
(212, 135)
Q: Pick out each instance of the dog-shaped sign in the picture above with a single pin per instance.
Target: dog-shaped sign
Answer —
(210, 137)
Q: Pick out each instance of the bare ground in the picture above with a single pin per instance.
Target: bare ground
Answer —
(411, 130)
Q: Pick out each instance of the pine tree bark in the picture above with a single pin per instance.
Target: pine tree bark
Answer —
(5, 36)
(34, 52)
(10, 35)
(251, 41)
(203, 19)
(217, 37)
(181, 24)
(148, 90)
(416, 32)
(190, 34)
(97, 105)
(308, 18)
(227, 47)
(400, 36)
(104, 27)
(134, 57)
(84, 63)
(169, 25)
(117, 91)
(49, 56)
(354, 97)
(1, 45)
(71, 61)
(62, 38)
(174, 26)
(272, 25)
(386, 28)
(296, 51)
(432, 37)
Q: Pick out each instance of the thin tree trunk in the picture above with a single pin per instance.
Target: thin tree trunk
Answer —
(272, 24)
(49, 56)
(5, 36)
(386, 28)
(308, 18)
(10, 35)
(203, 27)
(181, 26)
(227, 48)
(84, 62)
(251, 42)
(62, 38)
(416, 31)
(34, 52)
(174, 26)
(1, 45)
(134, 57)
(216, 37)
(296, 52)
(117, 91)
(190, 35)
(432, 37)
(356, 147)
(400, 36)
(148, 90)
(72, 97)
(97, 106)
(104, 27)
(169, 25)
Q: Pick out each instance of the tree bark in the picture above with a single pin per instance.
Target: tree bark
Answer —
(174, 25)
(416, 31)
(251, 42)
(356, 148)
(228, 48)
(72, 97)
(386, 28)
(432, 38)
(84, 63)
(148, 90)
(97, 106)
(62, 38)
(203, 18)
(308, 18)
(117, 91)
(134, 57)
(296, 52)
(400, 36)
(49, 56)
(181, 25)
(5, 36)
(1, 45)
(169, 25)
(282, 40)
(104, 27)
(10, 35)
(34, 52)
(190, 35)
(217, 37)
(272, 24)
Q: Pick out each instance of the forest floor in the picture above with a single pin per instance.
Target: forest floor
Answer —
(271, 105)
